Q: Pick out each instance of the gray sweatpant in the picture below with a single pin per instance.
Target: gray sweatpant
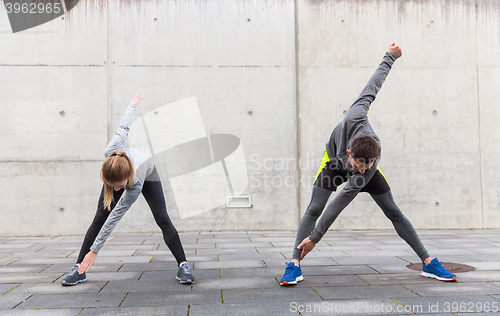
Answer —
(402, 225)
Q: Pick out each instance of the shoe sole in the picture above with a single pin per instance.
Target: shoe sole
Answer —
(185, 282)
(69, 284)
(298, 279)
(433, 276)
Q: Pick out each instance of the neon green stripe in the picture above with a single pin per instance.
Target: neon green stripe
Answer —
(323, 164)
(378, 168)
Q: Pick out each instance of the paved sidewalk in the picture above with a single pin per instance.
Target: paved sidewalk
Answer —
(237, 273)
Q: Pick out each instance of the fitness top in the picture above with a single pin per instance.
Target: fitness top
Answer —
(355, 123)
(143, 168)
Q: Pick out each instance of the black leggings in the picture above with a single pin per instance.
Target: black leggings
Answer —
(153, 193)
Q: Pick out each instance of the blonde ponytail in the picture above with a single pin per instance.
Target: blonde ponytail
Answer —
(116, 168)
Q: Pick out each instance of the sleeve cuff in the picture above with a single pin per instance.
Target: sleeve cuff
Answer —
(95, 249)
(391, 56)
(315, 238)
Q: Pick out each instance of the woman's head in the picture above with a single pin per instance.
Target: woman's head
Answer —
(117, 171)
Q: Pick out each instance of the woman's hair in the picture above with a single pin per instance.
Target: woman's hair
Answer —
(116, 168)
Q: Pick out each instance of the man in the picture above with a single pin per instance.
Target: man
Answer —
(352, 155)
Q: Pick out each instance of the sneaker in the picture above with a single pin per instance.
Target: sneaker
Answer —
(184, 274)
(74, 277)
(436, 271)
(293, 274)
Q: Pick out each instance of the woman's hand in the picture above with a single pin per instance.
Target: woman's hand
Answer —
(87, 262)
(137, 99)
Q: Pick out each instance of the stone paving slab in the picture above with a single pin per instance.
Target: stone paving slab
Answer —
(278, 294)
(237, 283)
(387, 260)
(251, 272)
(57, 288)
(451, 289)
(170, 310)
(251, 255)
(97, 267)
(170, 298)
(10, 300)
(237, 273)
(411, 277)
(29, 277)
(41, 312)
(166, 276)
(366, 291)
(151, 266)
(335, 270)
(231, 264)
(268, 309)
(4, 288)
(166, 285)
(479, 276)
(227, 251)
(330, 280)
(73, 300)
(389, 268)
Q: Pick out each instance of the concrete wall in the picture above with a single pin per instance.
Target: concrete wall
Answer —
(276, 74)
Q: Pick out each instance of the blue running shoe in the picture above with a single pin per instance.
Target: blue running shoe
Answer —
(436, 271)
(293, 274)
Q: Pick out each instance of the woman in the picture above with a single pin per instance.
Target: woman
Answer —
(126, 173)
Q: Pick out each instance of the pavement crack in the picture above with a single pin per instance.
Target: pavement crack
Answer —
(31, 295)
(46, 268)
(317, 293)
(222, 296)
(140, 276)
(15, 287)
(59, 277)
(123, 300)
(404, 287)
(404, 259)
(120, 267)
(361, 279)
(103, 287)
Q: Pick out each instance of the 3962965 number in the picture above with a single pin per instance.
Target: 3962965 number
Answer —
(33, 8)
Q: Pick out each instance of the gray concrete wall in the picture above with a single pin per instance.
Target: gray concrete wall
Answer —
(276, 74)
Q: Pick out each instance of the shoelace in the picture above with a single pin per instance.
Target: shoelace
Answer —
(187, 269)
(440, 267)
(73, 270)
(289, 269)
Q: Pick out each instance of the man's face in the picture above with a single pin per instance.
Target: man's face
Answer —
(359, 165)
